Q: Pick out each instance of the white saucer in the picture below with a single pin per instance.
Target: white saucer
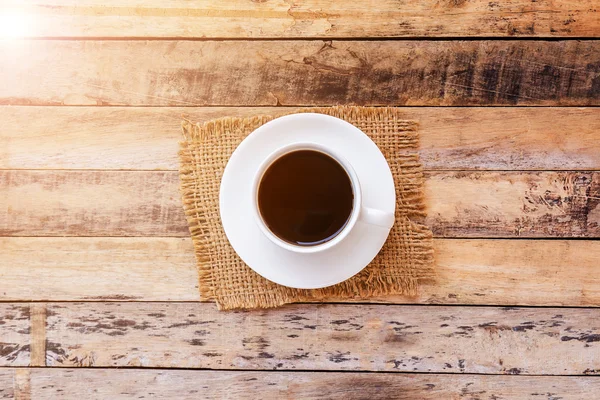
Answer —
(313, 270)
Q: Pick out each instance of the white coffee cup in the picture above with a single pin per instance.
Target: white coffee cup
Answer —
(359, 212)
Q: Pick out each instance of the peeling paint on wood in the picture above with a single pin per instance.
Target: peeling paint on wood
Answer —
(537, 204)
(326, 337)
(14, 334)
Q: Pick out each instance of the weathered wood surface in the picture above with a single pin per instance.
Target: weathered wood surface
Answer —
(308, 18)
(98, 383)
(93, 269)
(447, 343)
(469, 271)
(508, 204)
(147, 138)
(193, 73)
(99, 203)
(7, 383)
(147, 203)
(14, 335)
(326, 337)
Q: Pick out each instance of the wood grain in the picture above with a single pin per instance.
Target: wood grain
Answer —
(308, 18)
(193, 73)
(37, 343)
(147, 203)
(7, 377)
(326, 337)
(22, 384)
(100, 383)
(71, 230)
(80, 203)
(113, 384)
(92, 269)
(147, 138)
(14, 335)
(469, 271)
(505, 204)
(514, 272)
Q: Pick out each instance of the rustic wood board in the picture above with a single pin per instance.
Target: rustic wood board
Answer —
(147, 203)
(81, 203)
(469, 271)
(7, 383)
(98, 383)
(93, 269)
(193, 73)
(325, 337)
(147, 138)
(309, 18)
(15, 349)
(508, 204)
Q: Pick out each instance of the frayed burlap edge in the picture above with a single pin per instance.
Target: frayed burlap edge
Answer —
(401, 279)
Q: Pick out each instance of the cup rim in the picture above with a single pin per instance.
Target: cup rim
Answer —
(356, 204)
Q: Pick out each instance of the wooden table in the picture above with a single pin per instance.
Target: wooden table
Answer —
(96, 263)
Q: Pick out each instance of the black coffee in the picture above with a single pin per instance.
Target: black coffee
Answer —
(305, 197)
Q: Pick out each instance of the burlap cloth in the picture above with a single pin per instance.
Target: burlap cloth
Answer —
(405, 259)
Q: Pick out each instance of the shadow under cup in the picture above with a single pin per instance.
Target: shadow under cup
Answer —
(305, 197)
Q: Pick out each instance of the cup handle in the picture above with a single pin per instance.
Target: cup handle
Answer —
(372, 216)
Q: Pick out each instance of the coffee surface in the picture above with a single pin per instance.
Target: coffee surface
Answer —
(305, 197)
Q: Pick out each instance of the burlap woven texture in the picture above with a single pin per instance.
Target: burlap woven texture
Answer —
(405, 259)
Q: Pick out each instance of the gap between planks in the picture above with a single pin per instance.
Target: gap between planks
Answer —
(379, 301)
(282, 371)
(338, 39)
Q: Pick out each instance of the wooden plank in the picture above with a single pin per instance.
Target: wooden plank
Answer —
(469, 271)
(37, 343)
(514, 272)
(63, 269)
(505, 204)
(14, 335)
(147, 203)
(80, 203)
(308, 18)
(194, 73)
(539, 341)
(167, 384)
(22, 384)
(7, 377)
(147, 138)
(101, 137)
